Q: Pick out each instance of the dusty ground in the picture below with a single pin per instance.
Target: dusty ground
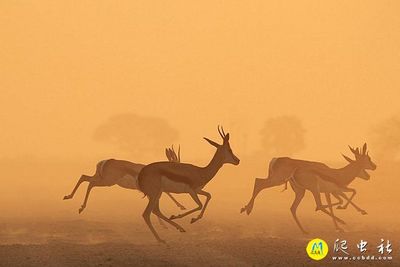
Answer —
(209, 243)
(38, 228)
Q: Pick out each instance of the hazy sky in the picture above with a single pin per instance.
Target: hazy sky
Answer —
(67, 66)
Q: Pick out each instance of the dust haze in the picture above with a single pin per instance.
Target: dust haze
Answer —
(83, 82)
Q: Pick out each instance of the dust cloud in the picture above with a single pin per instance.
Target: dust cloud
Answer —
(82, 82)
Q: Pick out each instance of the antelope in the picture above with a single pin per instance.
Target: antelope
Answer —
(119, 172)
(339, 194)
(317, 178)
(175, 177)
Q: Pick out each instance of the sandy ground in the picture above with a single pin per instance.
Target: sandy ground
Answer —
(38, 228)
(241, 242)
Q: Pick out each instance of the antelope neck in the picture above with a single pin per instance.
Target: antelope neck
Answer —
(212, 168)
(349, 172)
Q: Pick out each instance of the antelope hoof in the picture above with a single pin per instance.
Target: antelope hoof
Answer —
(173, 217)
(81, 209)
(182, 207)
(322, 207)
(305, 232)
(363, 212)
(162, 241)
(181, 229)
(246, 209)
(67, 197)
(340, 207)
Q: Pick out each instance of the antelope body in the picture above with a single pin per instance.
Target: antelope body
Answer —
(317, 178)
(118, 172)
(160, 177)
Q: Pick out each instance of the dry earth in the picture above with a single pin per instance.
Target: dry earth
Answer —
(209, 243)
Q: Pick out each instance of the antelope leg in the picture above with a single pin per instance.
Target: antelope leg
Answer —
(89, 188)
(340, 201)
(328, 199)
(317, 198)
(347, 189)
(299, 197)
(146, 216)
(83, 178)
(259, 185)
(197, 200)
(363, 212)
(208, 196)
(157, 211)
(176, 202)
(338, 197)
(162, 223)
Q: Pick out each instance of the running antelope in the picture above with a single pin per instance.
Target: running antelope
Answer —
(174, 177)
(317, 178)
(119, 172)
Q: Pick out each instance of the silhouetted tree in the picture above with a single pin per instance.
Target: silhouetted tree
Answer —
(385, 139)
(282, 136)
(137, 135)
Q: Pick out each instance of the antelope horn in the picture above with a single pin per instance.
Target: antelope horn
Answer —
(353, 150)
(347, 158)
(222, 128)
(221, 133)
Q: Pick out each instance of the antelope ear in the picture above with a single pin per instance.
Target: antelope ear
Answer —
(358, 151)
(364, 150)
(226, 138)
(347, 158)
(211, 142)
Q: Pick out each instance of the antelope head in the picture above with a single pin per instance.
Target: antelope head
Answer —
(224, 151)
(362, 160)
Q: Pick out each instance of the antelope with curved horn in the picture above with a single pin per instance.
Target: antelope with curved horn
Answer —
(119, 172)
(317, 178)
(174, 177)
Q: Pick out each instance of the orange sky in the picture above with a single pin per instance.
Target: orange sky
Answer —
(67, 66)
